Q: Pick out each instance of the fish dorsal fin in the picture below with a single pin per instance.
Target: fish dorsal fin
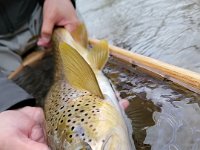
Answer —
(83, 51)
(80, 35)
(99, 54)
(77, 71)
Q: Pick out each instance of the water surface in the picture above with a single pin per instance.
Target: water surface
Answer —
(164, 116)
(168, 30)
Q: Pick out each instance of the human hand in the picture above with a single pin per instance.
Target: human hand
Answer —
(57, 13)
(22, 129)
(124, 104)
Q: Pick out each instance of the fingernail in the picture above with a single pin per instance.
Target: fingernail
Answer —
(39, 42)
(44, 41)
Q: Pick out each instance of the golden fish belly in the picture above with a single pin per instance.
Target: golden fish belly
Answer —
(76, 119)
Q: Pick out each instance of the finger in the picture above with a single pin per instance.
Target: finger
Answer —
(37, 134)
(46, 32)
(124, 104)
(35, 113)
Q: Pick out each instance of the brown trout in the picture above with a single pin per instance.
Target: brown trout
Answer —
(81, 110)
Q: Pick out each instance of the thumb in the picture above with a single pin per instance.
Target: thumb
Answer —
(46, 32)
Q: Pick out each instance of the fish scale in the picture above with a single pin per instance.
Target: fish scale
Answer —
(79, 116)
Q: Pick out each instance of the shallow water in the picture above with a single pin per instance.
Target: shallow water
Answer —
(164, 116)
(168, 30)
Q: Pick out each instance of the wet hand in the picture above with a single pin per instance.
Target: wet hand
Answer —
(57, 13)
(22, 129)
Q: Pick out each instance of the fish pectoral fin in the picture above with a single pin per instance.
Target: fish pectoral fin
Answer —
(80, 35)
(77, 71)
(111, 142)
(81, 145)
(99, 54)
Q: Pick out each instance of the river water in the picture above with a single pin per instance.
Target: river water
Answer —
(165, 117)
(168, 30)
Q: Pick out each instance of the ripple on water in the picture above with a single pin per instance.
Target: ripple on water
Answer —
(164, 116)
(168, 30)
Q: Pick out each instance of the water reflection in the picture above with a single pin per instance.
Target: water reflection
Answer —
(162, 29)
(164, 116)
(177, 127)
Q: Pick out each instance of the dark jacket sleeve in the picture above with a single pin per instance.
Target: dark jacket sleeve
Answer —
(12, 96)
